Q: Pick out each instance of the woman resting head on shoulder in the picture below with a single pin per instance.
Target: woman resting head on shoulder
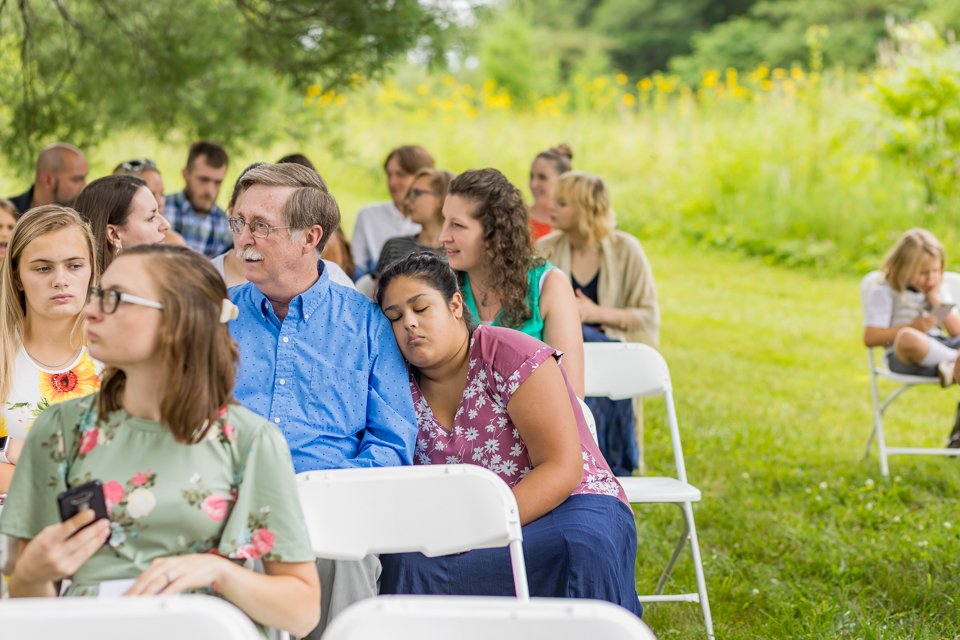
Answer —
(194, 483)
(546, 169)
(123, 214)
(45, 277)
(487, 241)
(498, 398)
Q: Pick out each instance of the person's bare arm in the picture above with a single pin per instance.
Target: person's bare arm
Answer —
(542, 413)
(286, 597)
(561, 325)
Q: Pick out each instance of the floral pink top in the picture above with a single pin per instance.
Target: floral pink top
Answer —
(500, 361)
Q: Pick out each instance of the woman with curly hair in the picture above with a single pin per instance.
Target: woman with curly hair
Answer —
(486, 239)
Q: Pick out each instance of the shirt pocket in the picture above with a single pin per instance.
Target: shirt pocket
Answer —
(338, 397)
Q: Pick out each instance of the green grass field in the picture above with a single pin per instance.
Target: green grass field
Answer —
(801, 537)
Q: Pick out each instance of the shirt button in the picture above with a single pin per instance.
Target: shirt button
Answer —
(282, 381)
(277, 420)
(306, 316)
(286, 339)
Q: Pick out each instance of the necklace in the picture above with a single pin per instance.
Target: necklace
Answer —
(483, 295)
(54, 367)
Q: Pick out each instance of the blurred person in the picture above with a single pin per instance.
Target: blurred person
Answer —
(122, 214)
(377, 223)
(486, 239)
(319, 360)
(193, 212)
(146, 169)
(616, 296)
(579, 535)
(47, 270)
(194, 483)
(545, 170)
(8, 220)
(61, 172)
(423, 204)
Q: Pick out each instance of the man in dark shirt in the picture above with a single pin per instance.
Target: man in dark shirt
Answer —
(60, 175)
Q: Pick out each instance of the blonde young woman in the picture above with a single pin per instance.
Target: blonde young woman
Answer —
(613, 282)
(46, 274)
(194, 483)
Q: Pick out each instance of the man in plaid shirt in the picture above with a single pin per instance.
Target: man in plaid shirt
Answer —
(193, 212)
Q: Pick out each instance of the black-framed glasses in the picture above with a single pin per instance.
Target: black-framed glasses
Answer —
(138, 164)
(110, 299)
(258, 228)
(413, 194)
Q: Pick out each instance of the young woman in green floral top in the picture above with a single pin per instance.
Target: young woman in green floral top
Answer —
(194, 483)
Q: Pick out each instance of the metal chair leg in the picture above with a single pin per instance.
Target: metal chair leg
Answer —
(662, 582)
(698, 569)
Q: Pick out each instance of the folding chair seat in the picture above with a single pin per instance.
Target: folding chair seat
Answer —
(434, 509)
(618, 370)
(482, 618)
(878, 369)
(153, 618)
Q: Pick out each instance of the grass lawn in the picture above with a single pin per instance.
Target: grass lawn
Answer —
(801, 537)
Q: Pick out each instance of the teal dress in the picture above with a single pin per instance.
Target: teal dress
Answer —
(534, 325)
(232, 494)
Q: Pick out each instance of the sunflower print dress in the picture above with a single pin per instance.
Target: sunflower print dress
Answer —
(36, 388)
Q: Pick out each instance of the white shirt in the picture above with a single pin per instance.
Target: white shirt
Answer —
(35, 388)
(377, 223)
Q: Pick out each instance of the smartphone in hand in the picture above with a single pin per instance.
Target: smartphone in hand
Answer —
(85, 496)
(942, 311)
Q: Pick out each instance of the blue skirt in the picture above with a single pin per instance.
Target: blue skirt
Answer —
(585, 548)
(615, 422)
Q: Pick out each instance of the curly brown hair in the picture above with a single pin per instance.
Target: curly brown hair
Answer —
(506, 238)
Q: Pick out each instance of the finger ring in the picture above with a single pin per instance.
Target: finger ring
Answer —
(167, 576)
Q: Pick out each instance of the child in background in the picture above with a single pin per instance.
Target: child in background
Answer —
(901, 310)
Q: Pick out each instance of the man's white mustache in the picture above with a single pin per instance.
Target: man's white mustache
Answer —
(248, 253)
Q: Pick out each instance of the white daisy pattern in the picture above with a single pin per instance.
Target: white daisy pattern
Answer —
(482, 432)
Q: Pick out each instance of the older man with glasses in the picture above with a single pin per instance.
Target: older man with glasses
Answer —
(319, 360)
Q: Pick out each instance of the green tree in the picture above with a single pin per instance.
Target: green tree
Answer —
(215, 68)
(773, 32)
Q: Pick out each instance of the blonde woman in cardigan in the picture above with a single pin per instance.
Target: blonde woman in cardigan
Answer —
(610, 273)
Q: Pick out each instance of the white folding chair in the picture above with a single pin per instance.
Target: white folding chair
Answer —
(878, 369)
(482, 618)
(434, 509)
(620, 370)
(154, 618)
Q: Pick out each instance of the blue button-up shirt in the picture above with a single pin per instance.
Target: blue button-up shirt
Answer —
(329, 375)
(207, 233)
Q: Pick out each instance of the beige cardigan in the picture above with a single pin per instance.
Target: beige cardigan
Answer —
(626, 281)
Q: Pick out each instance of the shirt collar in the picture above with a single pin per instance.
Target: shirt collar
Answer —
(302, 306)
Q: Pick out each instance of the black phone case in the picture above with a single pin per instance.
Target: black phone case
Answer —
(74, 500)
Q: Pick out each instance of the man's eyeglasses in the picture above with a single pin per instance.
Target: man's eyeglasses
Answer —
(110, 299)
(413, 194)
(139, 164)
(258, 228)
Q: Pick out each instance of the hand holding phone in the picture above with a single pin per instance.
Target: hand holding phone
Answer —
(942, 311)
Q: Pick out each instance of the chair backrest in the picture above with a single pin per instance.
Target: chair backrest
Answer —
(482, 618)
(589, 419)
(433, 509)
(620, 370)
(153, 618)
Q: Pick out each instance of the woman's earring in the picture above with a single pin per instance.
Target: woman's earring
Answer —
(118, 248)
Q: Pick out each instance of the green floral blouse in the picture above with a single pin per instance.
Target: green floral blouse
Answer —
(232, 494)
